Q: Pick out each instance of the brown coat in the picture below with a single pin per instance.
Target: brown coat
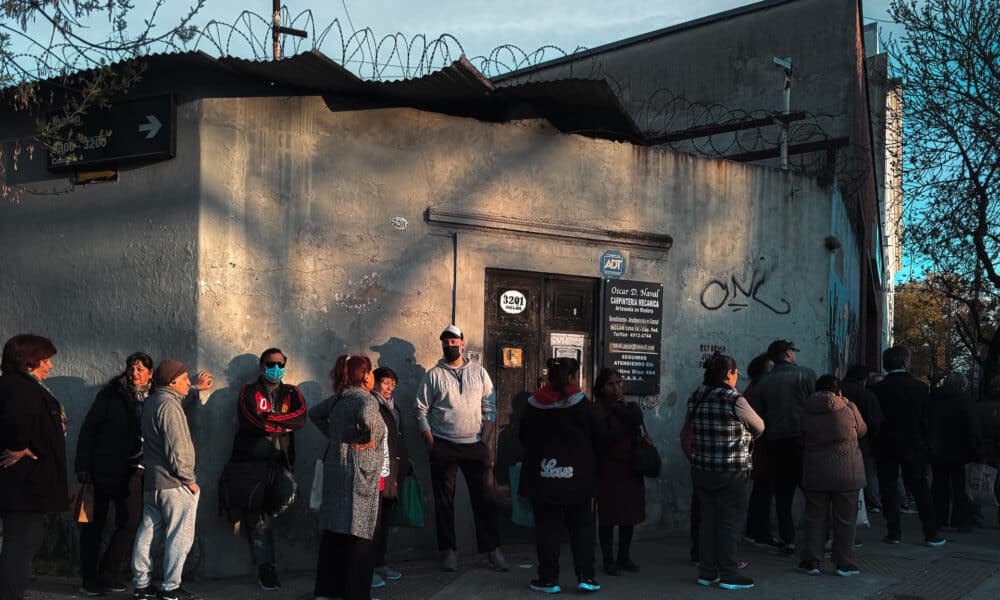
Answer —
(831, 426)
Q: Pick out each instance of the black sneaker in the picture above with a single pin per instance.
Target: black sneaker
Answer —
(545, 587)
(889, 539)
(177, 594)
(768, 543)
(612, 568)
(267, 577)
(144, 593)
(935, 542)
(588, 584)
(628, 565)
(848, 570)
(113, 585)
(91, 590)
(809, 567)
(736, 583)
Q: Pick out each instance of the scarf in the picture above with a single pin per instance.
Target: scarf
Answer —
(546, 396)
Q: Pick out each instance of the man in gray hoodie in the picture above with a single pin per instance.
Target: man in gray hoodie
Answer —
(456, 411)
(170, 498)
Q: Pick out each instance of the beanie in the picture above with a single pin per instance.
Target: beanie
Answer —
(167, 371)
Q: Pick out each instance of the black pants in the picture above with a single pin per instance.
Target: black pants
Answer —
(345, 566)
(759, 509)
(259, 529)
(951, 505)
(382, 531)
(786, 465)
(579, 520)
(606, 534)
(446, 458)
(694, 526)
(723, 498)
(23, 534)
(915, 478)
(97, 569)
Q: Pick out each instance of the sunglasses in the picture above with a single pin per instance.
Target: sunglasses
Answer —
(273, 363)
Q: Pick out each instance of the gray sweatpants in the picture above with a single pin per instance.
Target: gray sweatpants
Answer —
(171, 513)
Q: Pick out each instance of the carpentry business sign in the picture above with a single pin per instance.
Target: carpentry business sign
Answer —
(130, 131)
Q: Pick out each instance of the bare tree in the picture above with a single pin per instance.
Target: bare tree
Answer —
(949, 63)
(56, 65)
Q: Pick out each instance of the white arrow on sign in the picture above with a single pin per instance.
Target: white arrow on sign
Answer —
(151, 126)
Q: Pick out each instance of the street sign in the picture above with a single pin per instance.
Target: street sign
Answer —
(136, 130)
(613, 264)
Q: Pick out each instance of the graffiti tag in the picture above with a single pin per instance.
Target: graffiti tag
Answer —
(737, 294)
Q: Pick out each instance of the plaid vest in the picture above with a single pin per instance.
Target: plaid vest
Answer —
(722, 442)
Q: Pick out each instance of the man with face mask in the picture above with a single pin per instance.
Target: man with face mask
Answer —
(269, 412)
(456, 410)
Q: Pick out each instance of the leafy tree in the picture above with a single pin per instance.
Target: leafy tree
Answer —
(926, 322)
(949, 63)
(56, 57)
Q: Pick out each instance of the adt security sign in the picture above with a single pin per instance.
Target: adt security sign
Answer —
(613, 264)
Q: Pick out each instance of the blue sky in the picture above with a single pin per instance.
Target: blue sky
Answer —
(479, 26)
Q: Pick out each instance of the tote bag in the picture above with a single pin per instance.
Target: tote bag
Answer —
(410, 505)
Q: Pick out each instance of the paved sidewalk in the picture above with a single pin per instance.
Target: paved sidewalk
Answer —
(966, 567)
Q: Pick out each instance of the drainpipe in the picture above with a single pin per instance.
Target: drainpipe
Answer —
(786, 66)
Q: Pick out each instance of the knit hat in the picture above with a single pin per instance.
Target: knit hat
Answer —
(167, 371)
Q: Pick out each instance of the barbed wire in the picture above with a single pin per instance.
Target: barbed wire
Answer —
(398, 56)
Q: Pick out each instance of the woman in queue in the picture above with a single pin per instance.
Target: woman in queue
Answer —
(399, 466)
(833, 472)
(562, 435)
(724, 427)
(352, 472)
(621, 496)
(32, 457)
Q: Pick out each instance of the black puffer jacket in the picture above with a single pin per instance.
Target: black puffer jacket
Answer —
(952, 429)
(399, 458)
(31, 417)
(110, 439)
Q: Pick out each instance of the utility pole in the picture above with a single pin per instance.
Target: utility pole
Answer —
(786, 66)
(277, 29)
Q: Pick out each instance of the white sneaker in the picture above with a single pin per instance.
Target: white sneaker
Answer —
(388, 573)
(377, 581)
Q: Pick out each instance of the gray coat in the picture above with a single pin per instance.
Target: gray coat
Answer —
(350, 476)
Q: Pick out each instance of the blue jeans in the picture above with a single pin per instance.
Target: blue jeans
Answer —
(723, 500)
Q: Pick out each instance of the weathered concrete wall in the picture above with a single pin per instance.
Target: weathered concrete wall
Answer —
(103, 270)
(297, 248)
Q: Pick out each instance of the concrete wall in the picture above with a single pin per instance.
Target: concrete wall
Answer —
(103, 270)
(297, 248)
(281, 222)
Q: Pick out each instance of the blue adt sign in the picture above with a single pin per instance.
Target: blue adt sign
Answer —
(612, 264)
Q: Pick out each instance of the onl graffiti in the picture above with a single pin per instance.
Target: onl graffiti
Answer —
(736, 295)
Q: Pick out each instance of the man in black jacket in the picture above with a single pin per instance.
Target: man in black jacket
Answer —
(954, 439)
(901, 444)
(269, 412)
(109, 455)
(854, 389)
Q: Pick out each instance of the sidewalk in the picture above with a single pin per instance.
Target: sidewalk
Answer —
(966, 567)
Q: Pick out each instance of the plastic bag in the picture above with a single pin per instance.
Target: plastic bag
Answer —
(520, 507)
(862, 510)
(316, 493)
(410, 505)
(980, 480)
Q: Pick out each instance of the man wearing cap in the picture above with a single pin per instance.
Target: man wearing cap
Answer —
(170, 499)
(456, 410)
(780, 395)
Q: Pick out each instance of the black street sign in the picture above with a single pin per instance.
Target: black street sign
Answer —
(137, 130)
(633, 324)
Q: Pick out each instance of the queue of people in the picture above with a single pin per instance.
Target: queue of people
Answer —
(788, 430)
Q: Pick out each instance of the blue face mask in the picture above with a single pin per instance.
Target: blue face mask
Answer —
(274, 374)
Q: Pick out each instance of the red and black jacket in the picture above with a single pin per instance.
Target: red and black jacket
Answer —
(263, 422)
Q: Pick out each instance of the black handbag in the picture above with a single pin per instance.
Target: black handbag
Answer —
(645, 457)
(256, 486)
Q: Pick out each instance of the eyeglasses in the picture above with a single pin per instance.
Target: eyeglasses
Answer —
(273, 363)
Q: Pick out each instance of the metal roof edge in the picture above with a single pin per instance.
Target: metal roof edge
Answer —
(644, 37)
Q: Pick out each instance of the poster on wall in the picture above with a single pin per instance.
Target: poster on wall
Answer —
(633, 322)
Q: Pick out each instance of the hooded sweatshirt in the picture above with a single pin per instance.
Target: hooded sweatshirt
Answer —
(453, 402)
(831, 426)
(168, 452)
(562, 434)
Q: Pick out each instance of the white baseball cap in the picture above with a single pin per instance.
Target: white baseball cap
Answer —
(452, 331)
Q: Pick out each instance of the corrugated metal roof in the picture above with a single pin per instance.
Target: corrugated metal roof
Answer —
(456, 82)
(311, 70)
